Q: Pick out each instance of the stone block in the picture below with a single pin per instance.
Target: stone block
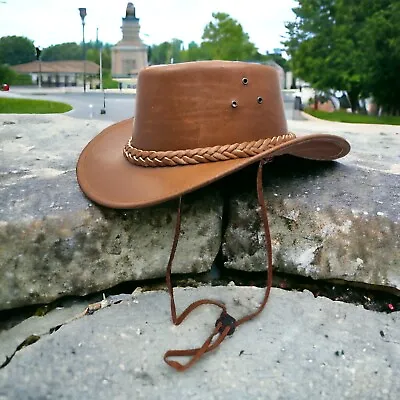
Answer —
(299, 347)
(329, 220)
(54, 242)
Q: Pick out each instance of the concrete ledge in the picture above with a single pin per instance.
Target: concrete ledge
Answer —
(54, 242)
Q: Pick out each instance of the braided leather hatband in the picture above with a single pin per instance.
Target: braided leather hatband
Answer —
(151, 158)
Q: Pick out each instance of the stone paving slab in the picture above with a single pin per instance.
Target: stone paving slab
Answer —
(300, 347)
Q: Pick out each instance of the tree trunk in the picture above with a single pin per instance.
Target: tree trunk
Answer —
(353, 97)
(315, 101)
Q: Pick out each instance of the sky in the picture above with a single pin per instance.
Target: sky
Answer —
(48, 22)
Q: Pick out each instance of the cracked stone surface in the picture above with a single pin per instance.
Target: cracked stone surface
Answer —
(39, 325)
(54, 242)
(337, 220)
(300, 347)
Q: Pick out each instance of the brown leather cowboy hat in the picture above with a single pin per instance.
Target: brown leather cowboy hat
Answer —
(195, 123)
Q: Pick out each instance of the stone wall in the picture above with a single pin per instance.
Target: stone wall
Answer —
(337, 220)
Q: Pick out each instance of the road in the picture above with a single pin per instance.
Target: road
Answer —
(118, 105)
(88, 105)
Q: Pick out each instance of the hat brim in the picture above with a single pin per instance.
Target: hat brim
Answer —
(107, 178)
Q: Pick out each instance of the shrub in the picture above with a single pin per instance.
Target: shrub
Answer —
(7, 75)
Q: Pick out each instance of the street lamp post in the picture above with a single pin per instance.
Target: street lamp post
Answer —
(100, 47)
(38, 53)
(82, 13)
(103, 110)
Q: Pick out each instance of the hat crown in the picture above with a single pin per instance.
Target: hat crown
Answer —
(207, 103)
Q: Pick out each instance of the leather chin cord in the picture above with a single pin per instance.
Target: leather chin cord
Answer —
(225, 324)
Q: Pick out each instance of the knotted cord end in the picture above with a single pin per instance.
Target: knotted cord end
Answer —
(226, 320)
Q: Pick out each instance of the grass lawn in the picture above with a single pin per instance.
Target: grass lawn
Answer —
(27, 106)
(343, 116)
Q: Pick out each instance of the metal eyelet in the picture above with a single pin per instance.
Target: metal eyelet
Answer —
(234, 104)
(259, 100)
(245, 81)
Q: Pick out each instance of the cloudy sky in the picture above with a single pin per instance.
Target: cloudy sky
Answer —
(49, 22)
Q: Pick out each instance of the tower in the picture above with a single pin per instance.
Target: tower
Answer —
(129, 55)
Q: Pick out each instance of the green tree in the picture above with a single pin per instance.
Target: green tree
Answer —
(93, 54)
(194, 52)
(16, 50)
(224, 39)
(324, 50)
(176, 50)
(350, 45)
(276, 57)
(380, 41)
(7, 75)
(63, 51)
(160, 53)
(164, 52)
(74, 51)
